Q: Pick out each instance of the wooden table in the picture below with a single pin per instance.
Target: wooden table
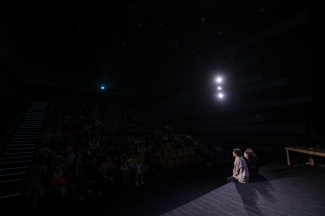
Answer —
(309, 152)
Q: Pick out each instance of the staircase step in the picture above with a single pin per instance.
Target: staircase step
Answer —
(5, 165)
(6, 177)
(21, 145)
(18, 149)
(13, 159)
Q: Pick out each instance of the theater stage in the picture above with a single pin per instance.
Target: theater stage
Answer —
(280, 190)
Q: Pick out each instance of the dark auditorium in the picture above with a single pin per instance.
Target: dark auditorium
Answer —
(151, 107)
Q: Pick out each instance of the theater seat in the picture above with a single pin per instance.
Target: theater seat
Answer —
(178, 162)
(192, 151)
(186, 152)
(171, 164)
(173, 154)
(168, 146)
(185, 161)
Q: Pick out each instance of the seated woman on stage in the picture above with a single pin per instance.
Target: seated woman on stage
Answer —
(240, 171)
(251, 163)
(254, 158)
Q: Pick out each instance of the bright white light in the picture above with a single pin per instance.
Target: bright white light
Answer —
(219, 80)
(219, 88)
(102, 87)
(220, 95)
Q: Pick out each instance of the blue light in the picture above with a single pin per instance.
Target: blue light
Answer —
(102, 87)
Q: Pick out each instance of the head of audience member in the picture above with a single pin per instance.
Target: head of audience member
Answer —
(247, 154)
(35, 167)
(57, 167)
(237, 152)
(108, 158)
(251, 151)
(94, 160)
(77, 161)
(45, 154)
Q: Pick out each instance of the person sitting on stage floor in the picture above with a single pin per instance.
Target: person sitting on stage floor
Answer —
(255, 159)
(251, 164)
(240, 171)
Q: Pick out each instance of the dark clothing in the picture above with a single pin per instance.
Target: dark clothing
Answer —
(92, 171)
(252, 167)
(31, 176)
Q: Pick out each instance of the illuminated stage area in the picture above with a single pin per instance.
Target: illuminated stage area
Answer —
(282, 190)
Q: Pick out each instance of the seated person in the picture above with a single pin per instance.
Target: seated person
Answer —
(107, 169)
(136, 167)
(222, 154)
(124, 169)
(59, 180)
(44, 147)
(60, 156)
(92, 173)
(240, 170)
(142, 148)
(94, 142)
(255, 157)
(76, 176)
(44, 158)
(155, 163)
(33, 181)
(73, 155)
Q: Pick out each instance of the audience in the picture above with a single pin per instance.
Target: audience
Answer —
(95, 134)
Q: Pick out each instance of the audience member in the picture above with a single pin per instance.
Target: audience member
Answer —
(33, 181)
(137, 168)
(107, 169)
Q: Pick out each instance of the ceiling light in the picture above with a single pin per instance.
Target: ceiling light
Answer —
(203, 19)
(193, 51)
(220, 95)
(78, 26)
(219, 80)
(123, 44)
(219, 88)
(183, 37)
(102, 87)
(220, 33)
(176, 42)
(130, 7)
(261, 9)
(37, 11)
(140, 24)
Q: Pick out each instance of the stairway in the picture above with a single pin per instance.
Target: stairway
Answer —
(18, 154)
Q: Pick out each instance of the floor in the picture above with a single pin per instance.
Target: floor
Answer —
(280, 190)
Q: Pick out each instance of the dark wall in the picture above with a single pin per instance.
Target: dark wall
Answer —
(271, 89)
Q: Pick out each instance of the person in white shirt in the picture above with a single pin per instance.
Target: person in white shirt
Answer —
(240, 171)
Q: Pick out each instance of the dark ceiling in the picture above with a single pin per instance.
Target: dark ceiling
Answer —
(134, 42)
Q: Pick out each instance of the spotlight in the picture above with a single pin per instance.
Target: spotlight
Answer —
(219, 80)
(219, 88)
(102, 87)
(220, 95)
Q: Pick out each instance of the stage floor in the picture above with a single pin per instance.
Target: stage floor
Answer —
(280, 190)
